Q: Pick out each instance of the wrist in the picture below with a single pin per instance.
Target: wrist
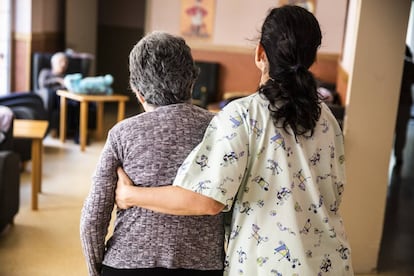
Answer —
(130, 199)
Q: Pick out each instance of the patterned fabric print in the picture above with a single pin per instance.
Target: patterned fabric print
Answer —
(284, 193)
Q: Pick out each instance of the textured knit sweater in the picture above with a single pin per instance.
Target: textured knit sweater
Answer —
(150, 147)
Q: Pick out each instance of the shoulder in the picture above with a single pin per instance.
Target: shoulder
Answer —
(201, 111)
(183, 110)
(327, 113)
(252, 106)
(127, 124)
(245, 103)
(163, 115)
(328, 123)
(45, 73)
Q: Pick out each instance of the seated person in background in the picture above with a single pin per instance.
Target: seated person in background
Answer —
(52, 80)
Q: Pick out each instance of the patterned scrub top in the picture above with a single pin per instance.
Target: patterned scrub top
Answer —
(284, 193)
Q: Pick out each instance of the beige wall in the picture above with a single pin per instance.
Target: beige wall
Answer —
(238, 21)
(375, 73)
(331, 15)
(236, 28)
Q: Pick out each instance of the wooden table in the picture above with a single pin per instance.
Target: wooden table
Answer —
(84, 99)
(34, 130)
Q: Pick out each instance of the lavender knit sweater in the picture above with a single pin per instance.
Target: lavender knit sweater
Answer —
(150, 146)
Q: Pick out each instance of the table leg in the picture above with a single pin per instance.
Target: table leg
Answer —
(121, 110)
(99, 120)
(36, 171)
(40, 167)
(83, 125)
(62, 127)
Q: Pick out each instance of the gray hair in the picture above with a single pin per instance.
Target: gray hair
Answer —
(162, 69)
(58, 56)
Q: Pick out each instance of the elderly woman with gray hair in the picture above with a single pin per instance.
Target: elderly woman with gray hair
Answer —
(151, 147)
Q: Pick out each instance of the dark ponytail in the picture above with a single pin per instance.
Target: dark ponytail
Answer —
(290, 37)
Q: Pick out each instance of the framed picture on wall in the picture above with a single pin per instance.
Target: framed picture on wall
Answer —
(197, 19)
(310, 5)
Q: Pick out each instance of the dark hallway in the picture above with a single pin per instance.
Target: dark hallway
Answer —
(397, 246)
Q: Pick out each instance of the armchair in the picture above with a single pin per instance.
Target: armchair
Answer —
(42, 60)
(9, 187)
(205, 89)
(9, 180)
(24, 105)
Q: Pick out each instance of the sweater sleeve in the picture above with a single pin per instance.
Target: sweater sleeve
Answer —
(98, 206)
(46, 78)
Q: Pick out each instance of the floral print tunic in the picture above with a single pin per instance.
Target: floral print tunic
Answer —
(283, 192)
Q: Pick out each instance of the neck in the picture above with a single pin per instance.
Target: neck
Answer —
(264, 78)
(148, 107)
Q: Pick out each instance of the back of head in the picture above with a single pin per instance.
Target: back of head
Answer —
(162, 69)
(290, 36)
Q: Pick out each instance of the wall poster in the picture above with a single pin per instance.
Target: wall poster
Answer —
(197, 19)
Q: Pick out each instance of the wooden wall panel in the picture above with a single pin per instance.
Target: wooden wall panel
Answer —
(20, 77)
(23, 46)
(325, 67)
(237, 72)
(342, 83)
(48, 42)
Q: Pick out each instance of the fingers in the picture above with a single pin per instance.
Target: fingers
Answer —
(123, 178)
(123, 189)
(121, 173)
(120, 191)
